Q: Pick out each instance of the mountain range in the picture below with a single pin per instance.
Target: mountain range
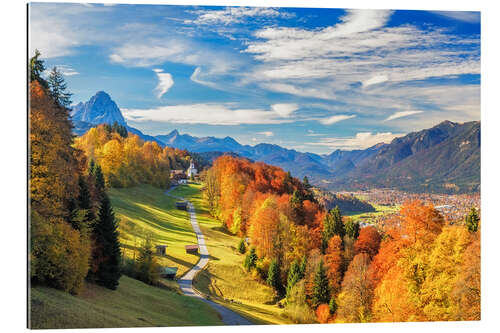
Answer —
(442, 159)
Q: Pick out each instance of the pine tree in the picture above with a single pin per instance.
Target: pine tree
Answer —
(321, 290)
(274, 276)
(333, 305)
(296, 202)
(294, 276)
(303, 267)
(352, 229)
(305, 181)
(99, 178)
(106, 256)
(241, 246)
(332, 225)
(36, 68)
(57, 87)
(472, 220)
(147, 268)
(250, 259)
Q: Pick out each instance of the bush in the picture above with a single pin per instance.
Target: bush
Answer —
(323, 313)
(296, 307)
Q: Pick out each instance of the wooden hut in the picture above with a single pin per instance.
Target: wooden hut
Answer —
(168, 272)
(161, 250)
(192, 249)
(181, 205)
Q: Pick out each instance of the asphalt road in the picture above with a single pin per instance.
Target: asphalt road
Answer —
(228, 316)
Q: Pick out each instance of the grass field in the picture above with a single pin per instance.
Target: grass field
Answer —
(370, 216)
(224, 276)
(147, 210)
(133, 304)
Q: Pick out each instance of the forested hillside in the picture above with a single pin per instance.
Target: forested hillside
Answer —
(73, 229)
(127, 160)
(324, 267)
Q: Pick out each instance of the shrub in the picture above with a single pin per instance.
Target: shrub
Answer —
(323, 313)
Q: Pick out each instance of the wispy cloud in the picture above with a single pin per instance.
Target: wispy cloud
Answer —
(335, 119)
(165, 82)
(469, 17)
(402, 114)
(266, 133)
(284, 110)
(231, 15)
(361, 140)
(206, 113)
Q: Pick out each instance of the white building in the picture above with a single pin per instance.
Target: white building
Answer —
(192, 170)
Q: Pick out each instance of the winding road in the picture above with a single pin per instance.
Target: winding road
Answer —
(229, 317)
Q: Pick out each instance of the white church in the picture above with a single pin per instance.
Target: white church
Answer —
(191, 172)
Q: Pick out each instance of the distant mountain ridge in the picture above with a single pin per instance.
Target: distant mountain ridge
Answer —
(444, 158)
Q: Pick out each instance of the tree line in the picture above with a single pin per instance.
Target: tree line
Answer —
(326, 268)
(127, 160)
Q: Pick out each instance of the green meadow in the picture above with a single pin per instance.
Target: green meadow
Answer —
(133, 304)
(146, 210)
(224, 279)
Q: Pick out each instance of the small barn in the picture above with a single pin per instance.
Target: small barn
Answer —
(181, 205)
(168, 272)
(192, 249)
(161, 250)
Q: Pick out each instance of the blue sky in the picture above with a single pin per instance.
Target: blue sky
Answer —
(308, 79)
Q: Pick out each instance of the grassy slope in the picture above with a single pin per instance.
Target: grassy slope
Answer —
(144, 209)
(133, 304)
(368, 217)
(224, 276)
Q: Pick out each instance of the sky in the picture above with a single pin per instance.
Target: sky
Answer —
(313, 80)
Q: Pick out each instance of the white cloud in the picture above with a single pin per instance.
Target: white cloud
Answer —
(56, 30)
(361, 140)
(231, 15)
(469, 17)
(402, 114)
(375, 80)
(284, 110)
(64, 69)
(165, 82)
(197, 77)
(207, 113)
(335, 119)
(266, 133)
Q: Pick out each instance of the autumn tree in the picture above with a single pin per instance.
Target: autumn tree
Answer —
(443, 267)
(263, 228)
(466, 293)
(334, 263)
(368, 241)
(357, 293)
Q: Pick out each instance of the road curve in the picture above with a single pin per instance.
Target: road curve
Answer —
(229, 317)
